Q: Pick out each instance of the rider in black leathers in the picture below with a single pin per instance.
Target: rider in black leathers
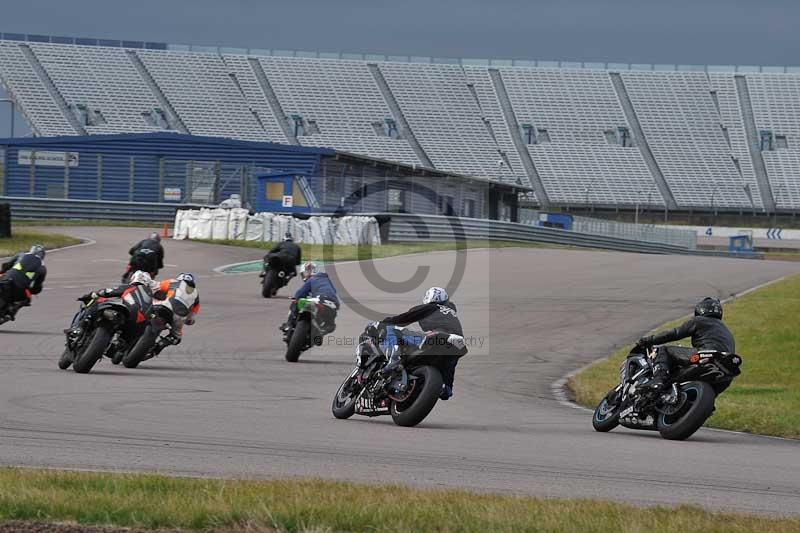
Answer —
(24, 274)
(147, 255)
(706, 330)
(437, 313)
(289, 254)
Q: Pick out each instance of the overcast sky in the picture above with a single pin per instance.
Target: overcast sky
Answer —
(720, 32)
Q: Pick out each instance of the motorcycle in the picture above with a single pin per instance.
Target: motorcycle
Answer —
(144, 260)
(274, 276)
(9, 309)
(314, 320)
(681, 407)
(157, 336)
(98, 332)
(408, 392)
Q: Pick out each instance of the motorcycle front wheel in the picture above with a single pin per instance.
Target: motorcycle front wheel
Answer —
(606, 415)
(421, 400)
(269, 284)
(695, 405)
(344, 403)
(65, 360)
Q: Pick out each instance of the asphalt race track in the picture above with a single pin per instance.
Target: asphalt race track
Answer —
(225, 403)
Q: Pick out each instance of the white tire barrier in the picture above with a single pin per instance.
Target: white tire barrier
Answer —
(238, 224)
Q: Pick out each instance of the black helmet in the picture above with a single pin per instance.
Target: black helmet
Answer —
(38, 251)
(708, 307)
(288, 237)
(155, 236)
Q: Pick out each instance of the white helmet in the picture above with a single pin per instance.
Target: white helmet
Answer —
(309, 269)
(141, 278)
(435, 294)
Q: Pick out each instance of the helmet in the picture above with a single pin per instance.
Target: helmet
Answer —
(288, 237)
(38, 251)
(155, 236)
(309, 269)
(187, 278)
(708, 307)
(435, 294)
(141, 277)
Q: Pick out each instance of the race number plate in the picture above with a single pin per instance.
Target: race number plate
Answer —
(368, 407)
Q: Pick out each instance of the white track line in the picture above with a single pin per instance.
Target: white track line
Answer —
(559, 386)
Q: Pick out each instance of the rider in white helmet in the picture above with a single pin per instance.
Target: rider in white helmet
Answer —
(437, 313)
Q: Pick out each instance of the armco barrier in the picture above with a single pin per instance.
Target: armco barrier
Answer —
(404, 227)
(48, 208)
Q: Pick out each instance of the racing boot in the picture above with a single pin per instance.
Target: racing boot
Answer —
(394, 360)
(660, 377)
(447, 392)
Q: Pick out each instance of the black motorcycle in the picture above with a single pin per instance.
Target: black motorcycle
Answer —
(8, 308)
(681, 407)
(274, 276)
(315, 319)
(95, 332)
(157, 336)
(408, 392)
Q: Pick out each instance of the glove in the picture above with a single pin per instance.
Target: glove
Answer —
(89, 296)
(645, 342)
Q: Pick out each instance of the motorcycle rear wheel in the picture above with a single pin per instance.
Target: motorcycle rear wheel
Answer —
(269, 284)
(415, 409)
(298, 340)
(93, 351)
(698, 404)
(140, 350)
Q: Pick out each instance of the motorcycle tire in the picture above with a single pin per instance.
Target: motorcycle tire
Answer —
(269, 285)
(699, 396)
(345, 407)
(65, 361)
(298, 340)
(139, 351)
(421, 404)
(605, 417)
(93, 351)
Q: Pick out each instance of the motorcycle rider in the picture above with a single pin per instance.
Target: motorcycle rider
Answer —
(707, 331)
(179, 295)
(288, 253)
(24, 275)
(147, 255)
(437, 313)
(315, 285)
(137, 296)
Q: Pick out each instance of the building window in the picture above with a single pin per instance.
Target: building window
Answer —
(313, 128)
(157, 118)
(87, 116)
(445, 206)
(781, 143)
(396, 200)
(387, 128)
(469, 208)
(542, 136)
(528, 133)
(767, 140)
(298, 128)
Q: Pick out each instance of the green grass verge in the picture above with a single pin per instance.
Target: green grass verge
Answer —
(350, 252)
(86, 222)
(151, 501)
(764, 398)
(22, 240)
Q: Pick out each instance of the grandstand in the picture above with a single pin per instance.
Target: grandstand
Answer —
(603, 137)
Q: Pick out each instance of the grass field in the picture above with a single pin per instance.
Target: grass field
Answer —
(350, 252)
(24, 239)
(151, 501)
(764, 399)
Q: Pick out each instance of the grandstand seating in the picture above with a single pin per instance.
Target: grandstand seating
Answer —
(697, 127)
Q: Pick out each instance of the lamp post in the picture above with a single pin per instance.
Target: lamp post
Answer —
(713, 207)
(11, 111)
(636, 214)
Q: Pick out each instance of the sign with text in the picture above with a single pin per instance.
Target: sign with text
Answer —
(288, 201)
(172, 194)
(47, 159)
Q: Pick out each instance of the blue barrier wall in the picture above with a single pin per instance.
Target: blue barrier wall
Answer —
(141, 167)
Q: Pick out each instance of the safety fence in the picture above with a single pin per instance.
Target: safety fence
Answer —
(683, 238)
(238, 224)
(47, 208)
